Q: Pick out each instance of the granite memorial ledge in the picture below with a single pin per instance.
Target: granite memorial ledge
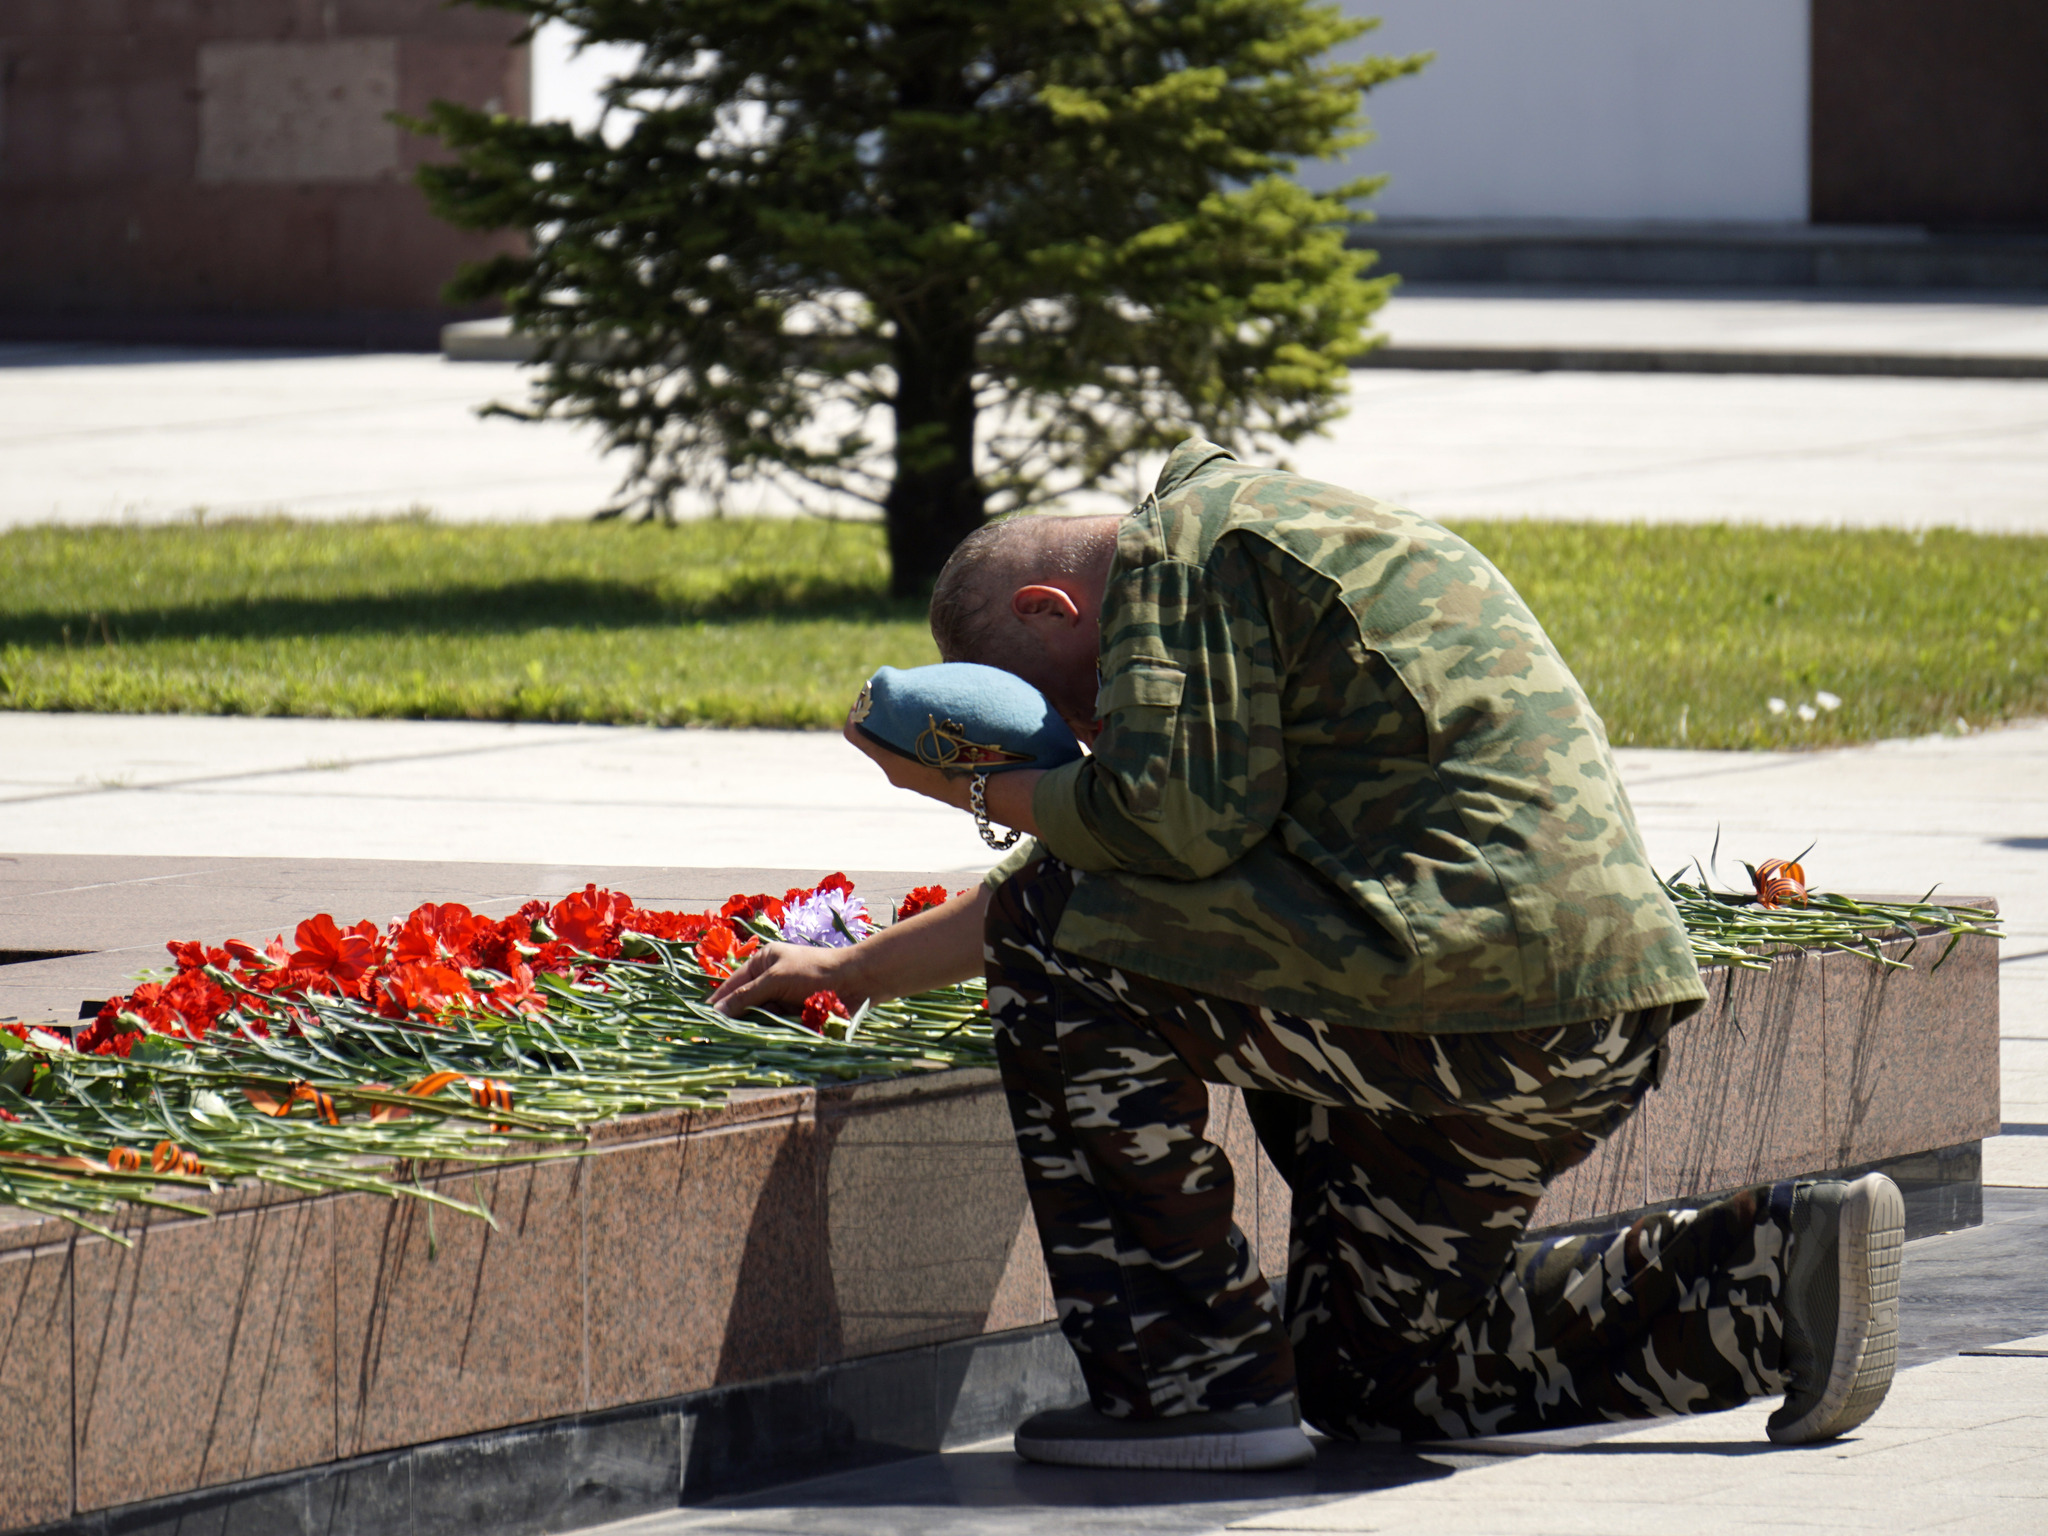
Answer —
(818, 1274)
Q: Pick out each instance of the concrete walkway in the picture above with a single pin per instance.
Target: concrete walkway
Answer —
(1969, 815)
(1961, 1445)
(109, 434)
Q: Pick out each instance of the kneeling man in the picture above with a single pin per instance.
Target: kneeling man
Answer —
(1351, 838)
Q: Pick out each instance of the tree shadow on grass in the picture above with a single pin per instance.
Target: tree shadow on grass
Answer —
(481, 609)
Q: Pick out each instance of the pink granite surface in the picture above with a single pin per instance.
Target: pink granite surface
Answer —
(205, 1351)
(923, 1208)
(688, 1249)
(35, 1386)
(1909, 1051)
(702, 1262)
(1264, 1204)
(444, 1326)
(1824, 1061)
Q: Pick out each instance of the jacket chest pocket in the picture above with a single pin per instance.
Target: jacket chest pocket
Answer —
(1140, 705)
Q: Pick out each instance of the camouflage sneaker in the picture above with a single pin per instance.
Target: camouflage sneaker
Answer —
(1841, 1306)
(1239, 1440)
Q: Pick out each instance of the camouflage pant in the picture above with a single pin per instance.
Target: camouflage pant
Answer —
(1414, 1304)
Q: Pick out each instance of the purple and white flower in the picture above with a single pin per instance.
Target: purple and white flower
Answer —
(831, 919)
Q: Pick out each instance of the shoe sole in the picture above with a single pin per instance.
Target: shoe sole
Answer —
(1871, 1242)
(1256, 1450)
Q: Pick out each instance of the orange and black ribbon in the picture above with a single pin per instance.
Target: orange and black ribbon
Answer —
(270, 1104)
(1780, 883)
(489, 1093)
(169, 1157)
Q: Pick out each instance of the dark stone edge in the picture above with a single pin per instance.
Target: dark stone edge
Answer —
(1944, 1190)
(1803, 257)
(586, 1469)
(1900, 365)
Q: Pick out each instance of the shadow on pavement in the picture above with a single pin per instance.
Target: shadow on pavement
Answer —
(990, 1480)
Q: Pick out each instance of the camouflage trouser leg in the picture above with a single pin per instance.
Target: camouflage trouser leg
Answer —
(1414, 1304)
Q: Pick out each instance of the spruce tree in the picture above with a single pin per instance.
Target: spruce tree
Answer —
(951, 257)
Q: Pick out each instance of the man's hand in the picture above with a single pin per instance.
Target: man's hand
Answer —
(948, 786)
(1009, 793)
(936, 948)
(788, 973)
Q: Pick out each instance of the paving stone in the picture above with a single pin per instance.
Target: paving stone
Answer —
(1658, 1479)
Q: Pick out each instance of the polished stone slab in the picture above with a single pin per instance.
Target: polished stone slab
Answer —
(687, 1252)
(1823, 1062)
(106, 918)
(583, 1469)
(203, 1354)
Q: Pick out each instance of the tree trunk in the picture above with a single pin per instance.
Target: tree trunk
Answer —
(935, 500)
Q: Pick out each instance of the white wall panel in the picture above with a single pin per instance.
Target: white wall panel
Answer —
(1590, 109)
(568, 82)
(1533, 109)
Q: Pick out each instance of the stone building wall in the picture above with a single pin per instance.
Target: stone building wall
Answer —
(223, 170)
(1931, 112)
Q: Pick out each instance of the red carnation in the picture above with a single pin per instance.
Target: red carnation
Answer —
(326, 950)
(496, 945)
(744, 909)
(721, 950)
(445, 932)
(516, 993)
(106, 1037)
(922, 899)
(676, 927)
(243, 953)
(424, 991)
(590, 920)
(190, 956)
(820, 1008)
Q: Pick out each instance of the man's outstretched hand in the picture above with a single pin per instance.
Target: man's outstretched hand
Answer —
(788, 973)
(936, 948)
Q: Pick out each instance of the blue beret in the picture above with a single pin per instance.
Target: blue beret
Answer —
(962, 715)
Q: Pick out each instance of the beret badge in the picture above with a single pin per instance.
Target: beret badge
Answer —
(944, 744)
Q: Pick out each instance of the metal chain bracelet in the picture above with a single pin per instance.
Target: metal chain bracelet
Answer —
(977, 797)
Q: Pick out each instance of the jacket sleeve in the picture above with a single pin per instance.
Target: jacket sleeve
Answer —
(1189, 772)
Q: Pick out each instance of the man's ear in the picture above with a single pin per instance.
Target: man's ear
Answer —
(1044, 603)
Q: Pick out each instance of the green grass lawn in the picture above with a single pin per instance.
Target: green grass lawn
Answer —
(1680, 634)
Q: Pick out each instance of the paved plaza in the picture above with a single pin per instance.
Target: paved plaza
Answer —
(1960, 1446)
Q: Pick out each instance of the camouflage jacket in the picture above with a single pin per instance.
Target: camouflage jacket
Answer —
(1344, 774)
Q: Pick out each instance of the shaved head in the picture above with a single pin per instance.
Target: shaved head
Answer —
(970, 615)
